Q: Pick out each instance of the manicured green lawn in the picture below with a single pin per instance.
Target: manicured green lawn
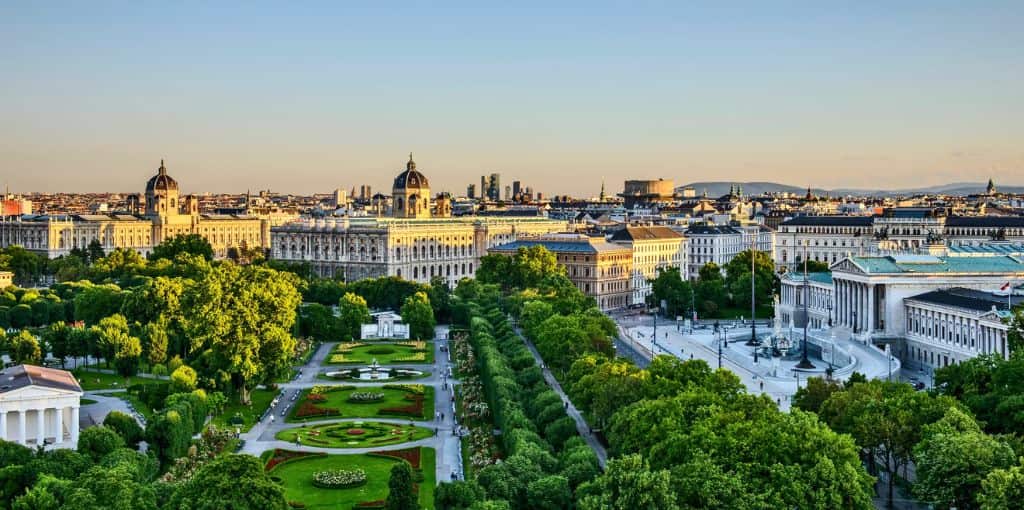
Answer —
(337, 398)
(261, 399)
(416, 351)
(296, 478)
(86, 401)
(355, 434)
(102, 381)
(139, 405)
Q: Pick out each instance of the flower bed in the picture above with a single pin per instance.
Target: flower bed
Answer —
(379, 503)
(281, 456)
(418, 356)
(355, 432)
(339, 479)
(415, 409)
(418, 389)
(410, 455)
(364, 397)
(308, 409)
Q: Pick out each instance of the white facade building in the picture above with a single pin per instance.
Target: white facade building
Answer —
(720, 243)
(817, 292)
(950, 326)
(39, 406)
(386, 325)
(654, 249)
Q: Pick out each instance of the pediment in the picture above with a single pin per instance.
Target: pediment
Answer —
(847, 266)
(37, 392)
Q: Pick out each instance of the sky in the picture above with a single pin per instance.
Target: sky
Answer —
(306, 97)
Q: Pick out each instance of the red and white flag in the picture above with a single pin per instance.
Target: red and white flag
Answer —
(1005, 286)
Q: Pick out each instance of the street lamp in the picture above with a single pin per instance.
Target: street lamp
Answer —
(753, 297)
(804, 362)
(830, 313)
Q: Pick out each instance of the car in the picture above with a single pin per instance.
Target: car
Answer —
(919, 386)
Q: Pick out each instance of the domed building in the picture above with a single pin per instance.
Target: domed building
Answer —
(154, 216)
(410, 194)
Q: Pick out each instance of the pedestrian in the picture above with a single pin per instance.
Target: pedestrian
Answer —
(762, 385)
(566, 404)
(442, 416)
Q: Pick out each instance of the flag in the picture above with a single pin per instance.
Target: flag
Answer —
(1005, 286)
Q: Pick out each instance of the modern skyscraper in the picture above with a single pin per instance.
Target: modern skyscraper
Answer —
(471, 191)
(494, 190)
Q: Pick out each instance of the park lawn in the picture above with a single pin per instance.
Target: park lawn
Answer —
(261, 399)
(137, 403)
(296, 478)
(103, 381)
(373, 434)
(415, 352)
(337, 398)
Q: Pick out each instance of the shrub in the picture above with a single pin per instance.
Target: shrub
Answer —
(339, 479)
(364, 397)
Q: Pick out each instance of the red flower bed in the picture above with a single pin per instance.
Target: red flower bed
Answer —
(355, 432)
(307, 409)
(316, 397)
(413, 409)
(380, 503)
(281, 456)
(410, 455)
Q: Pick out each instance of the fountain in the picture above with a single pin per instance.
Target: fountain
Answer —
(374, 372)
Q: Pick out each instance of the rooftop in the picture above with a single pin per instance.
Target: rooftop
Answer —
(581, 245)
(927, 264)
(644, 234)
(970, 299)
(830, 221)
(20, 376)
(819, 277)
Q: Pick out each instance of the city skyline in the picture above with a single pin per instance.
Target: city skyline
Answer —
(309, 99)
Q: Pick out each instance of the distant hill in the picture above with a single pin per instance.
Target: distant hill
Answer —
(719, 188)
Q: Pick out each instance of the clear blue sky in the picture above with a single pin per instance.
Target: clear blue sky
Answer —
(311, 97)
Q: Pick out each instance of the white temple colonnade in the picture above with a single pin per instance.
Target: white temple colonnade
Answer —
(39, 406)
(39, 425)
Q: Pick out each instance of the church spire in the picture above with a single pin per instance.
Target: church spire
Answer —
(602, 189)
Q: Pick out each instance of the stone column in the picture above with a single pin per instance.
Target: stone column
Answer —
(870, 289)
(3, 425)
(40, 426)
(74, 425)
(58, 436)
(21, 426)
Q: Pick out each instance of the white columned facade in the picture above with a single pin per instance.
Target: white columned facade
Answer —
(21, 426)
(870, 289)
(74, 425)
(41, 426)
(58, 423)
(3, 424)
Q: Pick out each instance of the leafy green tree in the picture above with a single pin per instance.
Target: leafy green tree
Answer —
(230, 481)
(318, 322)
(155, 335)
(239, 319)
(677, 293)
(24, 348)
(418, 314)
(457, 495)
(117, 344)
(20, 316)
(95, 302)
(814, 394)
(26, 266)
(168, 435)
(953, 459)
(193, 244)
(120, 263)
(401, 495)
(183, 380)
(58, 337)
(94, 251)
(1003, 489)
(353, 313)
(737, 277)
(627, 484)
(549, 493)
(440, 298)
(110, 488)
(158, 300)
(98, 441)
(125, 426)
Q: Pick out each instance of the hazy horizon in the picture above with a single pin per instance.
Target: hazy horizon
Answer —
(307, 98)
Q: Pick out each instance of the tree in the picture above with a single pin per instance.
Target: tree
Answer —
(116, 343)
(677, 293)
(953, 459)
(95, 302)
(318, 322)
(95, 251)
(230, 481)
(110, 488)
(24, 348)
(1003, 489)
(26, 266)
(440, 298)
(737, 277)
(239, 319)
(193, 244)
(627, 484)
(125, 426)
(183, 380)
(98, 441)
(168, 435)
(814, 394)
(401, 495)
(457, 495)
(418, 314)
(58, 337)
(155, 335)
(549, 493)
(352, 314)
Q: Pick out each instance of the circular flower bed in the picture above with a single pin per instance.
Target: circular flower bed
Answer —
(362, 397)
(339, 479)
(355, 432)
